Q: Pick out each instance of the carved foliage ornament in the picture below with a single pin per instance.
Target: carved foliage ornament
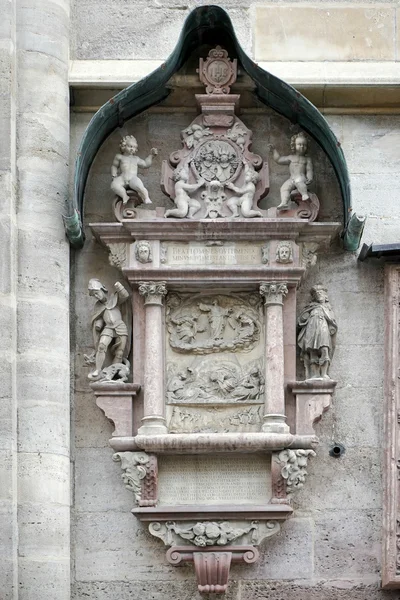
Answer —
(153, 291)
(294, 468)
(273, 293)
(134, 465)
(210, 533)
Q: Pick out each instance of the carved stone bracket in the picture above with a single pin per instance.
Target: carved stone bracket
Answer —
(139, 475)
(116, 401)
(208, 546)
(313, 398)
(294, 468)
(212, 566)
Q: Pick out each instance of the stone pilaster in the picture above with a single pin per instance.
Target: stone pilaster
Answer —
(153, 421)
(274, 411)
(42, 377)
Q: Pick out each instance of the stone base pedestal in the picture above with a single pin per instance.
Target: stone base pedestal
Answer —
(116, 401)
(273, 423)
(153, 426)
(313, 398)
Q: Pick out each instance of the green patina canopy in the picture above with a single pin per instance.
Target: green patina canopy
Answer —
(205, 25)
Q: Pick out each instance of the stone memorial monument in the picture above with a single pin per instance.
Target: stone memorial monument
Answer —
(214, 461)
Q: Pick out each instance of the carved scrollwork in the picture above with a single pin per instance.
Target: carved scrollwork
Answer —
(294, 468)
(134, 465)
(153, 291)
(204, 534)
(274, 292)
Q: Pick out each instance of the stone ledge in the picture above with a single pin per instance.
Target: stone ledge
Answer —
(119, 74)
(209, 443)
(189, 512)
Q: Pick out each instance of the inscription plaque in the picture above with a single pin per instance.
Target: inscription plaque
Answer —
(197, 253)
(216, 480)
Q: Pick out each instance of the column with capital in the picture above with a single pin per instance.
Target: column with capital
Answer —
(274, 409)
(153, 422)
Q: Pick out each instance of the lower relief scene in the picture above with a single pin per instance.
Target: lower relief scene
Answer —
(215, 365)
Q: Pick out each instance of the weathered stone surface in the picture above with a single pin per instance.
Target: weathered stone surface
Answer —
(43, 478)
(333, 482)
(97, 478)
(281, 557)
(358, 423)
(324, 590)
(137, 31)
(338, 33)
(34, 540)
(350, 540)
(185, 589)
(51, 577)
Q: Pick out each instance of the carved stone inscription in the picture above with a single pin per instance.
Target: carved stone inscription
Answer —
(199, 254)
(239, 479)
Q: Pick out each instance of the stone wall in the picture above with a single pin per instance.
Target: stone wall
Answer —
(345, 58)
(331, 549)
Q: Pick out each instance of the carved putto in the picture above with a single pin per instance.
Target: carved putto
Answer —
(215, 175)
(125, 167)
(108, 327)
(300, 169)
(317, 334)
(206, 324)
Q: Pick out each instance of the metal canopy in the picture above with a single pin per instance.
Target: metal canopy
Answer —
(205, 25)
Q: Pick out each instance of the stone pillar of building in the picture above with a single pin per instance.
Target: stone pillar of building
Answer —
(8, 329)
(43, 364)
(274, 410)
(153, 422)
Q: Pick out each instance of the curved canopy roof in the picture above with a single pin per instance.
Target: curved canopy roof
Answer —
(205, 25)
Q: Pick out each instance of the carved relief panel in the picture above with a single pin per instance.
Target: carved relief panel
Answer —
(215, 369)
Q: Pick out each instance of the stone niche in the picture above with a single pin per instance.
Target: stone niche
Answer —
(194, 357)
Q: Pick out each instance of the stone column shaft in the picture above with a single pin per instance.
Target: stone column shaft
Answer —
(274, 410)
(153, 421)
(43, 358)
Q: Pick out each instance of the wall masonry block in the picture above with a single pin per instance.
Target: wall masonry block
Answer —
(324, 33)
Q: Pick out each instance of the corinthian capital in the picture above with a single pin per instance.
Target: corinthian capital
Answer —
(273, 292)
(153, 291)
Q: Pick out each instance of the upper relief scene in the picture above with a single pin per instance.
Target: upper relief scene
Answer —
(212, 150)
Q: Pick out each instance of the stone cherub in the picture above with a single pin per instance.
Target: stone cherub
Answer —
(125, 167)
(300, 169)
(243, 203)
(317, 334)
(185, 205)
(108, 325)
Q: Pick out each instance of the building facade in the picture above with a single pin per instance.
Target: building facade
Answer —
(66, 525)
